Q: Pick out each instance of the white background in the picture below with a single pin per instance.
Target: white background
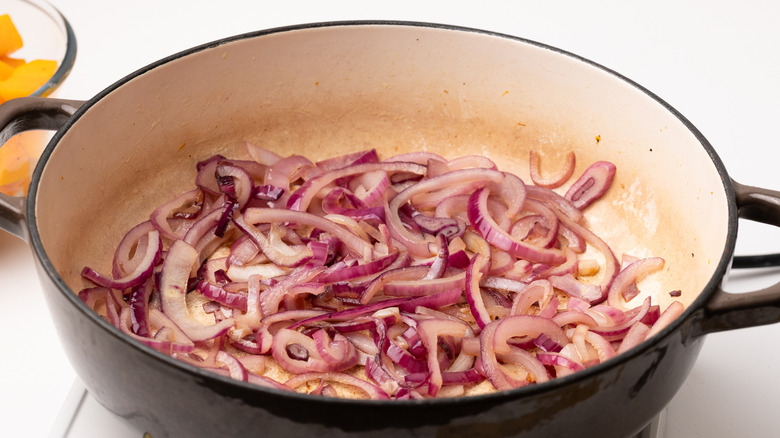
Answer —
(715, 61)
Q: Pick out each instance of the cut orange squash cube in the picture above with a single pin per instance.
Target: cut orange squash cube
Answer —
(10, 39)
(5, 70)
(27, 78)
(12, 62)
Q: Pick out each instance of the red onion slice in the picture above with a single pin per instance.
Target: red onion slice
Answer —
(177, 266)
(430, 330)
(372, 391)
(234, 300)
(466, 177)
(272, 215)
(423, 287)
(493, 343)
(558, 178)
(132, 243)
(235, 368)
(303, 196)
(593, 183)
(628, 276)
(143, 269)
(358, 270)
(482, 221)
(473, 276)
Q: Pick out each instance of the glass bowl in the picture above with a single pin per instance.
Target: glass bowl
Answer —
(46, 34)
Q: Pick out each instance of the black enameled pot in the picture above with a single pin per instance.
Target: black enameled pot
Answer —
(323, 89)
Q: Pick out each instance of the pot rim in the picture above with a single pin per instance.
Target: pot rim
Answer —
(526, 391)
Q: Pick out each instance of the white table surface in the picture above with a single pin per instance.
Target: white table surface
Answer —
(716, 62)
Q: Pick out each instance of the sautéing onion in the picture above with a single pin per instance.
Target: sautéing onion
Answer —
(409, 277)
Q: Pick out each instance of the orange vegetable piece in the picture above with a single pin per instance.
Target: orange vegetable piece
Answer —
(15, 166)
(10, 39)
(5, 70)
(13, 62)
(19, 78)
(27, 78)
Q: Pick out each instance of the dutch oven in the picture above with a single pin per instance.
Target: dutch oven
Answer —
(325, 89)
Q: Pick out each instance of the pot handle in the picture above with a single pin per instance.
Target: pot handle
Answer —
(24, 114)
(729, 311)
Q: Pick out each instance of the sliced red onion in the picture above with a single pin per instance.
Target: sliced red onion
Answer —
(574, 317)
(628, 276)
(558, 178)
(433, 301)
(393, 266)
(405, 359)
(448, 227)
(421, 158)
(337, 352)
(417, 245)
(207, 170)
(303, 196)
(139, 310)
(399, 274)
(674, 310)
(473, 293)
(262, 155)
(441, 262)
(458, 260)
(203, 225)
(272, 215)
(167, 339)
(558, 360)
(422, 286)
(558, 203)
(371, 188)
(277, 251)
(503, 284)
(242, 251)
(548, 344)
(528, 326)
(355, 208)
(281, 173)
(177, 266)
(350, 313)
(233, 365)
(233, 300)
(271, 298)
(235, 182)
(611, 265)
(140, 274)
(267, 192)
(482, 221)
(489, 340)
(539, 291)
(568, 284)
(358, 270)
(430, 330)
(133, 242)
(634, 336)
(372, 391)
(346, 160)
(298, 353)
(603, 346)
(160, 216)
(619, 330)
(593, 183)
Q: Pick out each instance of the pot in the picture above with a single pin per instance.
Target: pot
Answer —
(325, 89)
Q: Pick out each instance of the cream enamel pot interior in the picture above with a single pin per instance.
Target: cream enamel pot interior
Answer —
(325, 89)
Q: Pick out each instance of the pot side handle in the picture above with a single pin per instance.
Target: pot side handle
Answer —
(729, 311)
(24, 114)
